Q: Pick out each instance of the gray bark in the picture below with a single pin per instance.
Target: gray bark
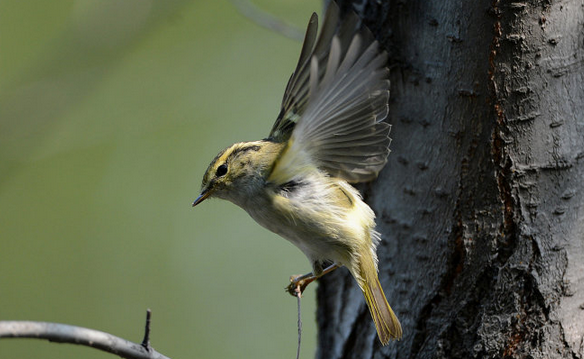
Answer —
(481, 203)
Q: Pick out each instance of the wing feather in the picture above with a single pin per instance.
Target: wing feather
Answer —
(335, 103)
(296, 93)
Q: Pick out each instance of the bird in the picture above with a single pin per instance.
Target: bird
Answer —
(330, 133)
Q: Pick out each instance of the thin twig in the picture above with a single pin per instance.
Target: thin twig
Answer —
(298, 298)
(64, 333)
(267, 20)
(146, 340)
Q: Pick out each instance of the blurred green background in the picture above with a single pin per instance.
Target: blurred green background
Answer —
(110, 112)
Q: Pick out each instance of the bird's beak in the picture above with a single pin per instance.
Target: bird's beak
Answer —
(202, 197)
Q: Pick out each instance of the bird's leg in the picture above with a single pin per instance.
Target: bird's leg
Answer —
(299, 282)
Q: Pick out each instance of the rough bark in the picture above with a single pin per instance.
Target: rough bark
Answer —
(481, 203)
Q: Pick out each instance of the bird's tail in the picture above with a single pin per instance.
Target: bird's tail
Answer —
(386, 323)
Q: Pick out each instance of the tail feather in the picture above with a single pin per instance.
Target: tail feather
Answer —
(386, 323)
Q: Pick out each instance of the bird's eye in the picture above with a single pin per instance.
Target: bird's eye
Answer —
(221, 170)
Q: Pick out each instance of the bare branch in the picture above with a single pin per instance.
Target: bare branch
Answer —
(63, 333)
(146, 340)
(267, 20)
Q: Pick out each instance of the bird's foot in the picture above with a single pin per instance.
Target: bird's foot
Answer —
(298, 283)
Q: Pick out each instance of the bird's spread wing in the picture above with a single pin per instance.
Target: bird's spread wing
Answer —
(296, 94)
(335, 102)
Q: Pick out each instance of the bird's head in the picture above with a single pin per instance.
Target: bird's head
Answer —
(238, 172)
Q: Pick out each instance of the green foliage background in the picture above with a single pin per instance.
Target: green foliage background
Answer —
(110, 112)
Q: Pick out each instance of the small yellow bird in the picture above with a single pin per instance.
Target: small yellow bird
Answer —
(329, 132)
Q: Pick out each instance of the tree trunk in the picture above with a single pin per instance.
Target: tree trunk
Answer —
(481, 203)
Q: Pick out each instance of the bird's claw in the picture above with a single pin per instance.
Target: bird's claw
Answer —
(297, 285)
